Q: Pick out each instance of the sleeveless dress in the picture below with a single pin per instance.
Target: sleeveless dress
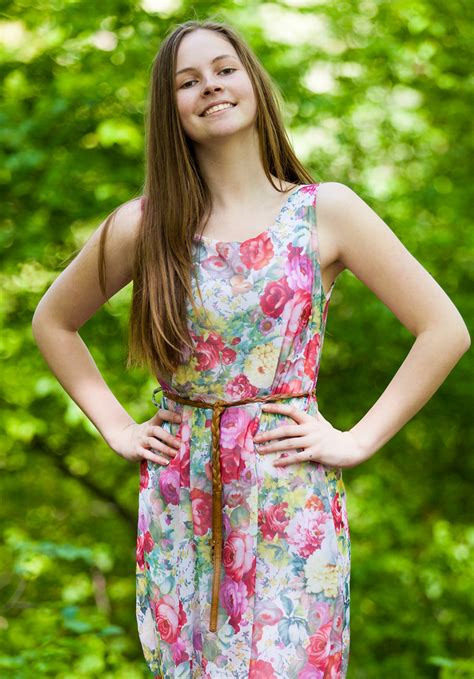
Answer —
(284, 598)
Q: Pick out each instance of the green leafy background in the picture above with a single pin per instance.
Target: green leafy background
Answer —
(377, 95)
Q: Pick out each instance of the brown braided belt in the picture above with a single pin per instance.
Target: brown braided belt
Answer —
(216, 541)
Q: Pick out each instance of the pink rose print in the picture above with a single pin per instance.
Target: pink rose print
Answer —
(257, 252)
(144, 477)
(183, 459)
(275, 296)
(207, 352)
(306, 531)
(345, 518)
(169, 485)
(310, 672)
(292, 371)
(249, 578)
(267, 613)
(144, 544)
(201, 505)
(299, 270)
(217, 266)
(233, 596)
(311, 354)
(224, 249)
(298, 313)
(235, 494)
(273, 521)
(333, 668)
(143, 521)
(261, 669)
(231, 464)
(239, 388)
(319, 648)
(178, 651)
(170, 617)
(238, 554)
(290, 387)
(336, 508)
(323, 612)
(207, 355)
(234, 424)
(228, 356)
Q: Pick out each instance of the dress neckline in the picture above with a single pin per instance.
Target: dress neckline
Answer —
(283, 208)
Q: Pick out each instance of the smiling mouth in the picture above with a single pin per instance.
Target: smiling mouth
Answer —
(203, 115)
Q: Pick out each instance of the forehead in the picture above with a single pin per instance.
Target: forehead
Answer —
(200, 47)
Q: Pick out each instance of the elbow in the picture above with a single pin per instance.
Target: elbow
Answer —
(467, 341)
(463, 340)
(38, 322)
(35, 326)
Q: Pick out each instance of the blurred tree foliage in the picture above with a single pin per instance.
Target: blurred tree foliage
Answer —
(376, 95)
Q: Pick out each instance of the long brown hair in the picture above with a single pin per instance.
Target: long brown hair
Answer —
(177, 200)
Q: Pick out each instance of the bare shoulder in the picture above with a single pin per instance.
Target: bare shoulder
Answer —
(334, 204)
(127, 221)
(119, 244)
(366, 245)
(331, 204)
(347, 223)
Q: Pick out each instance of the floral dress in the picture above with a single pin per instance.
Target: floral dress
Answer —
(283, 607)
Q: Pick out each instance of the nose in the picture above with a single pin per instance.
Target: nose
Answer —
(208, 88)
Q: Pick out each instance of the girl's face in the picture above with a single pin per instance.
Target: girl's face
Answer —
(208, 80)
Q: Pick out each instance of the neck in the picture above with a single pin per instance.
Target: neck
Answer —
(233, 170)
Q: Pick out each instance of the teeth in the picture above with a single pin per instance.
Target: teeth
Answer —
(218, 107)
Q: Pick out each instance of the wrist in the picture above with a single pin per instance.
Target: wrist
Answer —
(113, 431)
(364, 448)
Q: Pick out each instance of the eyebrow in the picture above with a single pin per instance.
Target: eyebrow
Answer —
(191, 68)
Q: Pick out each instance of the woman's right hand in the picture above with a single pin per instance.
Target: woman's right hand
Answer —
(137, 441)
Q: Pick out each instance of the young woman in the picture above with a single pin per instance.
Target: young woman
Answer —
(243, 549)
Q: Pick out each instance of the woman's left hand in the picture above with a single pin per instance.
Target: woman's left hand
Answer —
(316, 438)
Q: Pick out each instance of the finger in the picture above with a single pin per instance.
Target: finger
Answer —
(169, 415)
(159, 446)
(165, 415)
(280, 432)
(160, 433)
(285, 444)
(284, 409)
(285, 460)
(148, 455)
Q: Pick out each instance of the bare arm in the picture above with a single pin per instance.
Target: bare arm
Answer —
(70, 301)
(370, 249)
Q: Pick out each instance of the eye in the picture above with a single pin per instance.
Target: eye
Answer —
(228, 68)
